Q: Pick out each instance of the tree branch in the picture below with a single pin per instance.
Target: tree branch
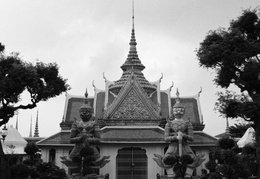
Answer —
(247, 119)
(28, 106)
(3, 121)
(238, 82)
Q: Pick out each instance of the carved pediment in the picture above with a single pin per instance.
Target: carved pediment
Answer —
(132, 107)
(132, 103)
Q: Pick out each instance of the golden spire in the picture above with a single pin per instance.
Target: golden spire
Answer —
(36, 131)
(133, 15)
(30, 134)
(132, 63)
(16, 125)
(227, 126)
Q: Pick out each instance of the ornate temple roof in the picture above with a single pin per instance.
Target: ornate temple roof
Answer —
(131, 109)
(132, 100)
(192, 108)
(132, 64)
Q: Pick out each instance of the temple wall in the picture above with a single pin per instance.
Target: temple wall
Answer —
(201, 151)
(151, 149)
(60, 152)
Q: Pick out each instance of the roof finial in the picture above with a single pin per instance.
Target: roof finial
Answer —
(177, 93)
(133, 14)
(178, 96)
(86, 96)
(178, 101)
(86, 102)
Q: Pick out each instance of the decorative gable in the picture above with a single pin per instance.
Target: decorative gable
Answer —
(132, 103)
(132, 107)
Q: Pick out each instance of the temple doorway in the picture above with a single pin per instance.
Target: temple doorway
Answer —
(131, 163)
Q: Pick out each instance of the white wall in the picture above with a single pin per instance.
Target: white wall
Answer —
(151, 149)
(206, 157)
(60, 152)
(112, 149)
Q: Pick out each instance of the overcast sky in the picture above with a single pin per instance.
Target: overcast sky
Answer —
(87, 38)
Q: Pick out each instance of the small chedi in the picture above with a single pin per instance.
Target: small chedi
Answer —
(85, 159)
(179, 160)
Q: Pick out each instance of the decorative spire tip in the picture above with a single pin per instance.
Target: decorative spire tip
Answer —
(133, 14)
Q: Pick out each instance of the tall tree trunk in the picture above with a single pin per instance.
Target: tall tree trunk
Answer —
(257, 137)
(4, 169)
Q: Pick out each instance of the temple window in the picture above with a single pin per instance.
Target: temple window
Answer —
(52, 155)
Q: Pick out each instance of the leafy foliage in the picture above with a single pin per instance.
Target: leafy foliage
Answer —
(42, 81)
(234, 54)
(19, 171)
(215, 175)
(31, 148)
(50, 171)
(238, 130)
(211, 165)
(233, 105)
(226, 143)
(2, 47)
(39, 169)
(229, 162)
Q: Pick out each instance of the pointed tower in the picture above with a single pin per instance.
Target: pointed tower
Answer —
(36, 131)
(16, 125)
(132, 100)
(227, 127)
(132, 64)
(129, 98)
(30, 134)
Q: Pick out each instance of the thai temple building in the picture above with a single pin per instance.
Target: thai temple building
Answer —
(14, 143)
(13, 146)
(132, 113)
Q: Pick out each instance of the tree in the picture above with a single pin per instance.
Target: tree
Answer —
(49, 170)
(234, 54)
(42, 81)
(227, 160)
(238, 130)
(31, 149)
(2, 48)
(38, 168)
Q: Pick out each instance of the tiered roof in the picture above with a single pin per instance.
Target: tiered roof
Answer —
(132, 65)
(132, 109)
